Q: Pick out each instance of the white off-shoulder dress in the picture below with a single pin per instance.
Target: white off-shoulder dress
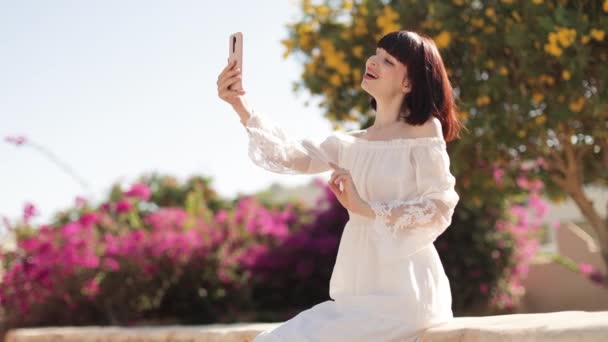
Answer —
(388, 283)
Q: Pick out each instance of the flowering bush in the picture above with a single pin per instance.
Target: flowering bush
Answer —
(131, 260)
(104, 270)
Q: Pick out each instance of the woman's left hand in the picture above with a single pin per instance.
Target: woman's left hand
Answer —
(347, 195)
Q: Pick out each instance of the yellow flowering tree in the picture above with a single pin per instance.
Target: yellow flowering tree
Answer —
(529, 78)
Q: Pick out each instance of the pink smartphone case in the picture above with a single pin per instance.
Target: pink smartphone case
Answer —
(235, 51)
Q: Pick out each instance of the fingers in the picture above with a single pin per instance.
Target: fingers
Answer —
(338, 181)
(337, 186)
(224, 76)
(228, 82)
(225, 83)
(224, 90)
(228, 66)
(334, 176)
(339, 172)
(334, 187)
(228, 93)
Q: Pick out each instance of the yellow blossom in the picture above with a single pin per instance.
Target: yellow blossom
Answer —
(477, 22)
(347, 5)
(521, 133)
(537, 1)
(464, 115)
(577, 105)
(585, 39)
(288, 43)
(552, 37)
(597, 34)
(387, 20)
(322, 10)
(566, 74)
(503, 71)
(537, 97)
(490, 12)
(333, 58)
(483, 100)
(356, 75)
(443, 39)
(303, 29)
(540, 119)
(360, 27)
(605, 6)
(310, 67)
(566, 36)
(358, 51)
(306, 6)
(363, 10)
(553, 49)
(334, 79)
(546, 79)
(305, 42)
(489, 29)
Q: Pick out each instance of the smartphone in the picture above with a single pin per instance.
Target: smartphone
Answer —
(235, 52)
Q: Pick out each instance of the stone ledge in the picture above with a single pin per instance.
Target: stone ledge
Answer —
(555, 327)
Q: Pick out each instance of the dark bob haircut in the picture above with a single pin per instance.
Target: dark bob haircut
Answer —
(431, 92)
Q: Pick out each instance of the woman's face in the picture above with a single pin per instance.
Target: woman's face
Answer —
(391, 76)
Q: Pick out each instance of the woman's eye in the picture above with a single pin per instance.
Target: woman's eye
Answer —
(387, 61)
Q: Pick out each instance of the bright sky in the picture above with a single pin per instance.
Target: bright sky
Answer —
(116, 89)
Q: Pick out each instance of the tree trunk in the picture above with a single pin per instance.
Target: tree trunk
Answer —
(565, 168)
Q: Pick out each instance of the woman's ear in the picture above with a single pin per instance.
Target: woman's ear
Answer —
(406, 86)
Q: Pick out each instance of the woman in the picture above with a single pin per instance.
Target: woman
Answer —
(388, 283)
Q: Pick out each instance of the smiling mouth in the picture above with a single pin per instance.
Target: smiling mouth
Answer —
(369, 76)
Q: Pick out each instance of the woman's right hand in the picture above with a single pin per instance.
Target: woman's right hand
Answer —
(228, 77)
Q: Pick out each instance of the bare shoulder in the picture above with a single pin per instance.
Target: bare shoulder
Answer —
(431, 128)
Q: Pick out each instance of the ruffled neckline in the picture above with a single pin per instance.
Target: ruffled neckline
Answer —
(391, 142)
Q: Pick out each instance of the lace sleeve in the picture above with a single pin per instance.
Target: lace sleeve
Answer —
(417, 222)
(271, 148)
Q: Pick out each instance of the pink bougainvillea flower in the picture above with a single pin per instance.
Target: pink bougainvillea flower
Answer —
(80, 202)
(70, 228)
(139, 190)
(29, 211)
(541, 162)
(105, 207)
(167, 218)
(91, 287)
(221, 216)
(498, 175)
(16, 140)
(123, 206)
(585, 268)
(111, 264)
(89, 219)
(536, 185)
(522, 182)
